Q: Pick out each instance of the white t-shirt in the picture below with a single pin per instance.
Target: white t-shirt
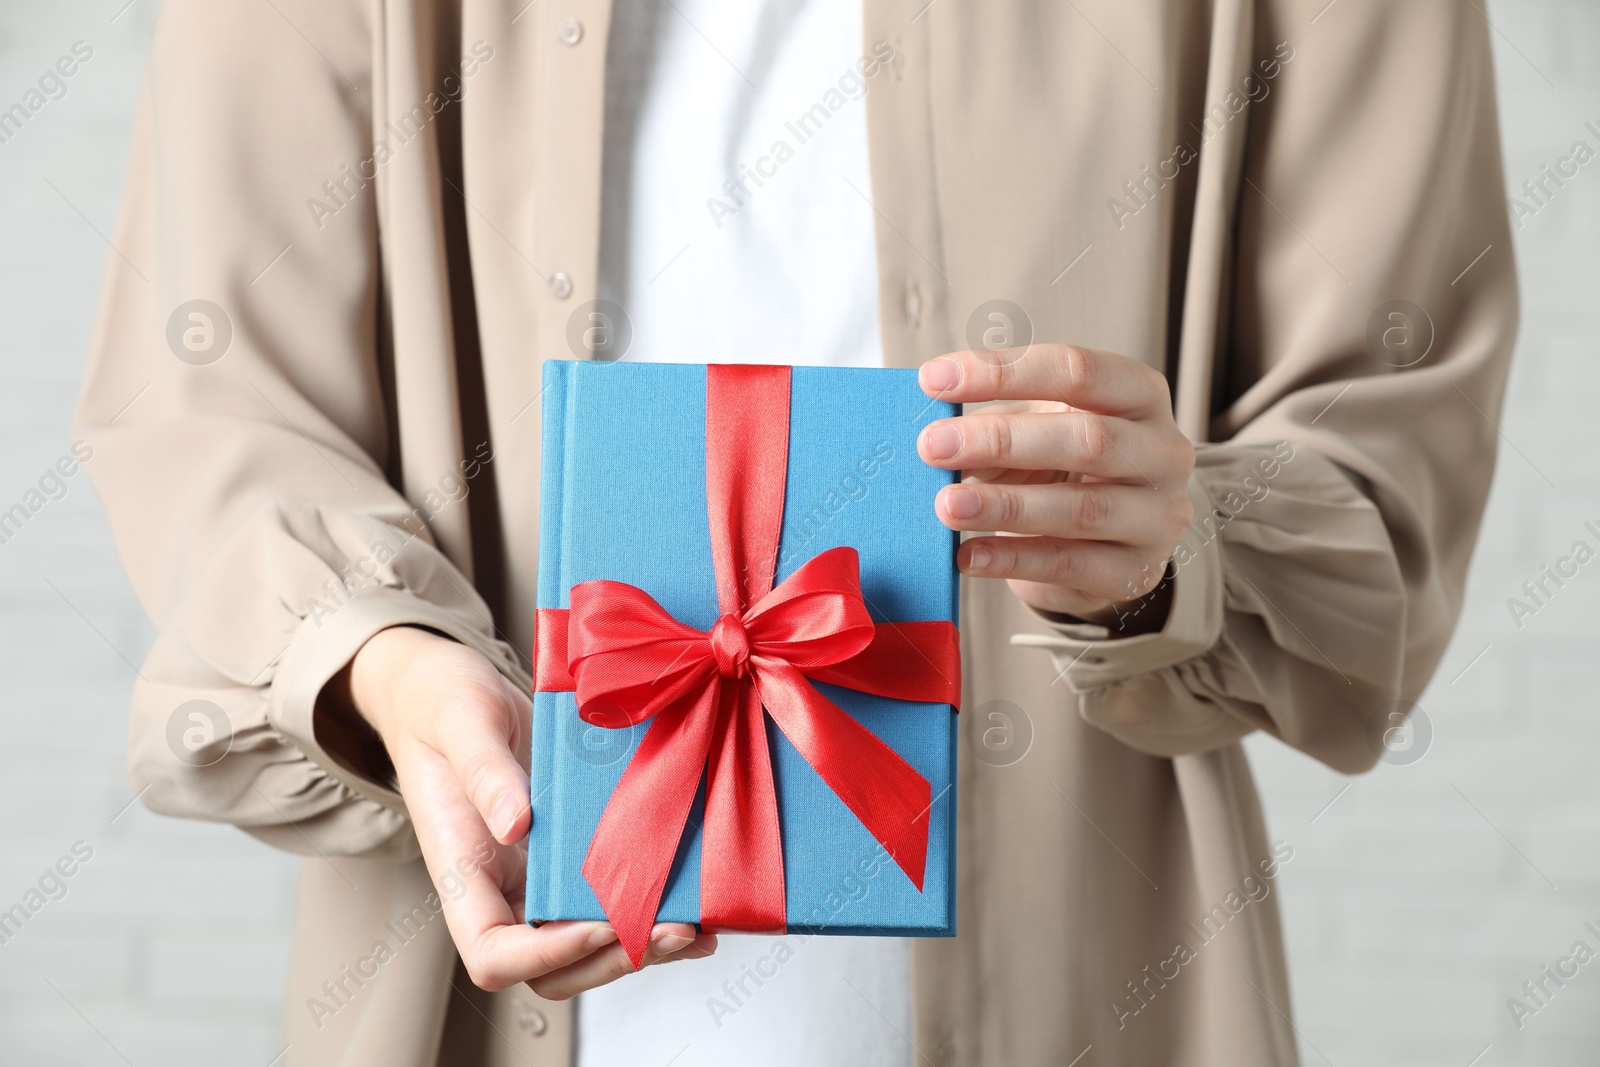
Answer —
(721, 246)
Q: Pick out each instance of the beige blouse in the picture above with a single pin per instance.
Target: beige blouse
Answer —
(388, 211)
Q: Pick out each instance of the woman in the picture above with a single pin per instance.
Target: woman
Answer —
(353, 231)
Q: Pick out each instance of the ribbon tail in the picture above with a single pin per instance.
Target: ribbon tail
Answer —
(741, 872)
(884, 791)
(631, 853)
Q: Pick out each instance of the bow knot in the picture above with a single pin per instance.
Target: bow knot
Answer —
(730, 646)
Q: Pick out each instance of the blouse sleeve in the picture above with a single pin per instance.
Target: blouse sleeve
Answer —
(1373, 313)
(236, 412)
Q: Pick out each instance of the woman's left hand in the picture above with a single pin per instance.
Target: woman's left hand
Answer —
(1085, 482)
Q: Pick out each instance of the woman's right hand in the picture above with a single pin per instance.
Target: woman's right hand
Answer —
(457, 732)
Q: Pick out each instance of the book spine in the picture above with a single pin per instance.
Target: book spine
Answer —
(545, 791)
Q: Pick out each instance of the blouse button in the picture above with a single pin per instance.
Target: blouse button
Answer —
(531, 1019)
(560, 285)
(569, 32)
(913, 305)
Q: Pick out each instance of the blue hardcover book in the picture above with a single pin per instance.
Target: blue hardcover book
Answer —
(625, 503)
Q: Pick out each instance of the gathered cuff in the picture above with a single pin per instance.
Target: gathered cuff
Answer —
(1093, 657)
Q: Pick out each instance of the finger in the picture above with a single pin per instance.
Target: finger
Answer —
(508, 955)
(698, 949)
(1082, 377)
(671, 942)
(474, 877)
(1098, 572)
(1083, 442)
(1096, 511)
(481, 744)
(522, 703)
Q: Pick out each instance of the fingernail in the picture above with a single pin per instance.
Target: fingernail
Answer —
(940, 375)
(601, 936)
(978, 559)
(669, 943)
(941, 441)
(504, 816)
(961, 502)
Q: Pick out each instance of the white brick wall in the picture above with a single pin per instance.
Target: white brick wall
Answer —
(172, 940)
(1410, 917)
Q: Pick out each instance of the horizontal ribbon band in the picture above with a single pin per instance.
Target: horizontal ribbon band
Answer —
(918, 661)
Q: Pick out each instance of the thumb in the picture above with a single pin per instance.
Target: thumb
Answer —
(480, 740)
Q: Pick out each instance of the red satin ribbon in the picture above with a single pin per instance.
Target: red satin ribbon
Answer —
(629, 661)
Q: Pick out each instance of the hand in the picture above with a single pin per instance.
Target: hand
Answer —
(457, 732)
(1086, 483)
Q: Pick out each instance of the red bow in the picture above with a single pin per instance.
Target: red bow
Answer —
(629, 661)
